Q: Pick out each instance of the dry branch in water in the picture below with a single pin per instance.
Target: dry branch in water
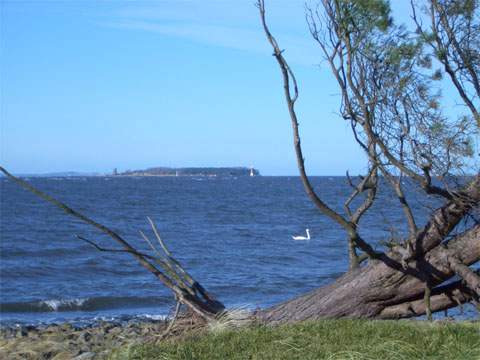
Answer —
(185, 289)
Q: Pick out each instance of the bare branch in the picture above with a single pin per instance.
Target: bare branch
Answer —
(396, 184)
(287, 75)
(468, 275)
(157, 235)
(206, 307)
(172, 322)
(102, 249)
(147, 240)
(444, 219)
(441, 298)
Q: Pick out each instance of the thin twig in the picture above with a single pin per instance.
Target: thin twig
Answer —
(172, 322)
(147, 240)
(157, 234)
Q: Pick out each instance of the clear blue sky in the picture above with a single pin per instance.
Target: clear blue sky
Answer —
(93, 85)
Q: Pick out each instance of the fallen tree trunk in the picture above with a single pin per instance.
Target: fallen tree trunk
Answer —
(407, 280)
(379, 291)
(388, 289)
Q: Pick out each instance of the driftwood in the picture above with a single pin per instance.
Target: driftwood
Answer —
(171, 273)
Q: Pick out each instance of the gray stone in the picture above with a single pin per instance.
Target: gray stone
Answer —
(85, 356)
(21, 332)
(85, 337)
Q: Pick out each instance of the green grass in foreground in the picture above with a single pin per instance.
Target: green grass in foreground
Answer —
(328, 339)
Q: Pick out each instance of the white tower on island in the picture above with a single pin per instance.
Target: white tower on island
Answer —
(251, 171)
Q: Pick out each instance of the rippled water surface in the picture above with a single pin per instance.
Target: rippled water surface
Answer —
(232, 234)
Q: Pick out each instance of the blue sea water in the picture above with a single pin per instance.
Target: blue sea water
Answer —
(232, 234)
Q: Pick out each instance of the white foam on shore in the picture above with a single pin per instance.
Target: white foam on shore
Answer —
(153, 317)
(69, 303)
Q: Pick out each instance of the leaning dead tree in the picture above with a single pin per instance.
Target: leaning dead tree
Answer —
(388, 98)
(161, 263)
(385, 80)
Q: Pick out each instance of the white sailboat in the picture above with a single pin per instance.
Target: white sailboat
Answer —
(251, 172)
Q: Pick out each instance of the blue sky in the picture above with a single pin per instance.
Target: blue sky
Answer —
(93, 85)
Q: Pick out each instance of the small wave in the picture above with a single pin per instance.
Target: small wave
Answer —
(56, 305)
(87, 304)
(156, 317)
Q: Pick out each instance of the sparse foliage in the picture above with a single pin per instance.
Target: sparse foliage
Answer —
(392, 100)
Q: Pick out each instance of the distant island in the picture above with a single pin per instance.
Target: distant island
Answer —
(157, 171)
(190, 171)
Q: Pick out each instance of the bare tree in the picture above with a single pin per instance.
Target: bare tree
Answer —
(161, 263)
(383, 75)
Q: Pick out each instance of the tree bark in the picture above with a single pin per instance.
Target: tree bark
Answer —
(379, 291)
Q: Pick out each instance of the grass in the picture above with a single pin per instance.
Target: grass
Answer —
(327, 339)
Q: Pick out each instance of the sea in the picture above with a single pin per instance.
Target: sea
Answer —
(233, 234)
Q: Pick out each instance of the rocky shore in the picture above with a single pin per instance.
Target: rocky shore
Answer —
(67, 341)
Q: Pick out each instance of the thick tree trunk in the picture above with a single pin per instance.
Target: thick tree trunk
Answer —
(388, 289)
(379, 291)
(406, 281)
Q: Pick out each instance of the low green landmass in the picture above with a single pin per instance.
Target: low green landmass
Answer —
(329, 339)
(192, 171)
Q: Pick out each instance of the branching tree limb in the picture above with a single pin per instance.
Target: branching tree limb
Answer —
(395, 118)
(471, 279)
(188, 292)
(288, 79)
(453, 36)
(441, 298)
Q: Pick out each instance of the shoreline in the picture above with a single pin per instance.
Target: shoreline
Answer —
(67, 341)
(98, 341)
